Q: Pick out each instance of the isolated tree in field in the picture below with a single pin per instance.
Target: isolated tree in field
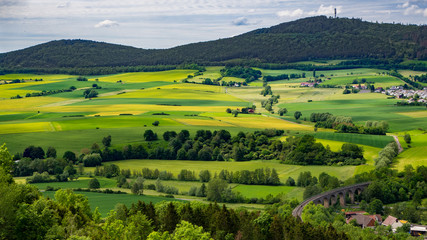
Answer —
(106, 141)
(149, 135)
(228, 110)
(297, 115)
(282, 111)
(407, 138)
(155, 123)
(94, 183)
(51, 152)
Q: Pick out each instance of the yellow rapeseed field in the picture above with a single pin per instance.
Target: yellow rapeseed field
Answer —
(264, 122)
(26, 127)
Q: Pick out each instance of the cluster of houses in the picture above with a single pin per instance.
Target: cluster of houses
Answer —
(399, 92)
(364, 220)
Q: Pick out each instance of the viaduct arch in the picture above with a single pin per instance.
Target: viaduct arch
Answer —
(331, 197)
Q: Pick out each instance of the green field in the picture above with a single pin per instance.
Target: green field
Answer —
(414, 155)
(257, 191)
(82, 182)
(107, 202)
(363, 107)
(283, 170)
(363, 139)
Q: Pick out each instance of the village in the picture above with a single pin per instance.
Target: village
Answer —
(411, 95)
(363, 220)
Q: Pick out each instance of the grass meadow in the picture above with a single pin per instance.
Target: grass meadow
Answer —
(416, 153)
(107, 202)
(283, 170)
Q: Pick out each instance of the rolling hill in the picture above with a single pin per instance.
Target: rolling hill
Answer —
(305, 39)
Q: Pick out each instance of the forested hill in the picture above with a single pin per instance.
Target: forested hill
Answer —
(304, 39)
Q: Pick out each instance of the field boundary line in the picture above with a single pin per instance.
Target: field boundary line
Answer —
(285, 120)
(396, 139)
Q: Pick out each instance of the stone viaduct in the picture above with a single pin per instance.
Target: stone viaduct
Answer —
(331, 197)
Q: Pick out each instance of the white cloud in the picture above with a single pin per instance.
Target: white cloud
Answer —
(413, 9)
(106, 23)
(240, 21)
(325, 10)
(322, 10)
(295, 13)
(63, 5)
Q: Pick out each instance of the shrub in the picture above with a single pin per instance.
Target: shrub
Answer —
(94, 183)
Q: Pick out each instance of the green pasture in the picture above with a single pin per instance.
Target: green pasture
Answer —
(76, 140)
(283, 170)
(112, 122)
(66, 84)
(45, 77)
(82, 182)
(383, 81)
(166, 76)
(162, 101)
(377, 141)
(211, 72)
(369, 153)
(363, 107)
(106, 202)
(259, 191)
(416, 155)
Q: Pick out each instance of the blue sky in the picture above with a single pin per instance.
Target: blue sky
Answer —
(168, 23)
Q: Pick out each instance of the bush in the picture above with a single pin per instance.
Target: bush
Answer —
(94, 183)
(92, 160)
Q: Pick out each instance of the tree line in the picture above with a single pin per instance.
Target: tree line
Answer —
(345, 124)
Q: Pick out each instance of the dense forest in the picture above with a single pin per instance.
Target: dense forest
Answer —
(304, 39)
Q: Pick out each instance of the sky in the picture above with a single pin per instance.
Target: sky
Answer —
(167, 23)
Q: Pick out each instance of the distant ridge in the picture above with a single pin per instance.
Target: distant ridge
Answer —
(304, 39)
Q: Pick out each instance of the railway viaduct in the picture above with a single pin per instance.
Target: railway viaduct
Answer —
(331, 197)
